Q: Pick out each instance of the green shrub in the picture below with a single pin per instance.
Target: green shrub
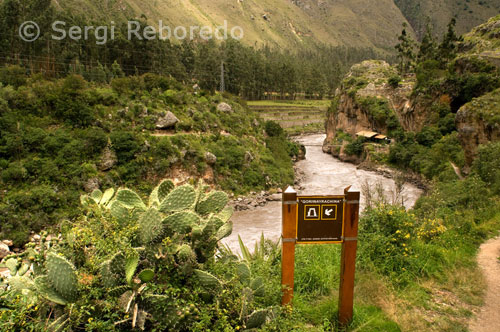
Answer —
(13, 75)
(273, 129)
(394, 81)
(487, 165)
(355, 148)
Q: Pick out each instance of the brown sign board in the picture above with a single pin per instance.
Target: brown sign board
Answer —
(320, 219)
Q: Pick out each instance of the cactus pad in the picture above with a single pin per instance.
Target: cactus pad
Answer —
(106, 197)
(119, 211)
(181, 198)
(257, 286)
(164, 188)
(146, 275)
(130, 266)
(62, 276)
(96, 196)
(213, 203)
(130, 199)
(224, 231)
(11, 264)
(45, 290)
(185, 254)
(243, 272)
(257, 319)
(207, 280)
(182, 222)
(112, 270)
(153, 198)
(150, 226)
(225, 214)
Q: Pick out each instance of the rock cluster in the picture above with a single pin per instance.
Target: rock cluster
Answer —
(255, 200)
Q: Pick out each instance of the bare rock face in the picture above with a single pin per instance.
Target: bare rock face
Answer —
(478, 122)
(224, 107)
(108, 159)
(167, 121)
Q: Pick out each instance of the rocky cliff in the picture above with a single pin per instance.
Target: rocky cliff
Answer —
(478, 122)
(373, 98)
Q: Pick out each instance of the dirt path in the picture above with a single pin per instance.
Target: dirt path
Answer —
(488, 318)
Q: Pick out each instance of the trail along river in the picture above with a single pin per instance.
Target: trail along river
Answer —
(322, 175)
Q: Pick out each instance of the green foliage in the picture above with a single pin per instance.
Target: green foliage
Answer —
(394, 81)
(406, 53)
(13, 75)
(129, 279)
(487, 165)
(379, 111)
(356, 147)
(49, 155)
(273, 129)
(61, 276)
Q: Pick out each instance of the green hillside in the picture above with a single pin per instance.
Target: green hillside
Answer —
(469, 13)
(289, 24)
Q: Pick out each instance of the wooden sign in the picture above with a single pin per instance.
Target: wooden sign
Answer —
(320, 219)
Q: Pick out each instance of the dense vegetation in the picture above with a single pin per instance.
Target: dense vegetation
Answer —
(446, 80)
(249, 72)
(148, 259)
(59, 137)
(408, 259)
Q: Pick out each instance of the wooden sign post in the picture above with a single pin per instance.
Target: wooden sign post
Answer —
(288, 236)
(321, 219)
(348, 256)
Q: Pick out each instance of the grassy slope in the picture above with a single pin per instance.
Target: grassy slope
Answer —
(344, 22)
(469, 13)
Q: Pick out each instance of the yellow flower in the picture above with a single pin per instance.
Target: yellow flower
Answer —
(90, 320)
(407, 236)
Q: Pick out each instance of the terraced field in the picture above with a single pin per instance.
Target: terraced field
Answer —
(300, 116)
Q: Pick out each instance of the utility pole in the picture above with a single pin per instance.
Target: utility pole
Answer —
(222, 83)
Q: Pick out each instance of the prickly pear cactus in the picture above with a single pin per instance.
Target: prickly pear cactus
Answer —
(207, 280)
(112, 272)
(130, 199)
(225, 214)
(213, 203)
(164, 188)
(257, 318)
(181, 198)
(96, 195)
(62, 277)
(182, 222)
(150, 226)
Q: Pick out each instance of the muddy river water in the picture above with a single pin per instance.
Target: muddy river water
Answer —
(322, 174)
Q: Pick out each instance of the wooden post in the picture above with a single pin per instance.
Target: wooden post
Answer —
(348, 260)
(288, 238)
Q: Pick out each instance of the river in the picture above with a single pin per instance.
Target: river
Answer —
(322, 174)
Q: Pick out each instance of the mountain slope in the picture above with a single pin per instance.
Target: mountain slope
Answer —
(469, 13)
(283, 23)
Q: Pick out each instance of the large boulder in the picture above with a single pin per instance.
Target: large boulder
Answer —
(210, 158)
(167, 121)
(4, 250)
(224, 107)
